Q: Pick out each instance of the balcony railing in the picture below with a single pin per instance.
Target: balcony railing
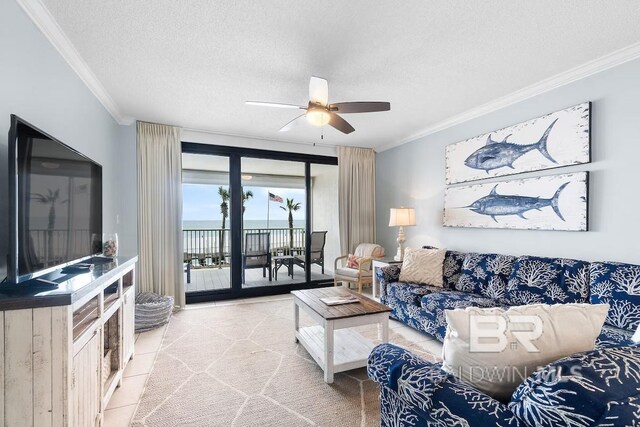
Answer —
(203, 247)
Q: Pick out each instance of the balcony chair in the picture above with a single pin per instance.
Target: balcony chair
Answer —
(362, 275)
(257, 253)
(318, 240)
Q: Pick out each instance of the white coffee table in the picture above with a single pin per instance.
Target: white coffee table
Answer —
(332, 344)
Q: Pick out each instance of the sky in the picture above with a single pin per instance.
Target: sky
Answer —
(201, 202)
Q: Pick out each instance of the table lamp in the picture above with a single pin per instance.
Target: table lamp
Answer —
(401, 217)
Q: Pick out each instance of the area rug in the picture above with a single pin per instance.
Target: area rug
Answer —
(238, 365)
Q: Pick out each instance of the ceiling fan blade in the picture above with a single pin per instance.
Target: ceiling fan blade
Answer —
(319, 91)
(274, 104)
(292, 124)
(359, 107)
(341, 124)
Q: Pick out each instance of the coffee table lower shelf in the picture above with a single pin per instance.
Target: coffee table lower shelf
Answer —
(350, 349)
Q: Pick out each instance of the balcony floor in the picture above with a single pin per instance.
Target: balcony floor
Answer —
(205, 279)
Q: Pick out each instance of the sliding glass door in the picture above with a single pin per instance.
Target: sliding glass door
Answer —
(256, 222)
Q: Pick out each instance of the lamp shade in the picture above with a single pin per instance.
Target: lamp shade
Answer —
(402, 217)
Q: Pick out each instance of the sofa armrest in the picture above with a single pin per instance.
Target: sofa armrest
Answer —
(411, 377)
(432, 392)
(386, 275)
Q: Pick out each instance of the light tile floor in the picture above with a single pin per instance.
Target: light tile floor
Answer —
(124, 402)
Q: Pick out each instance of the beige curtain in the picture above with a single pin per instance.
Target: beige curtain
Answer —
(160, 210)
(356, 197)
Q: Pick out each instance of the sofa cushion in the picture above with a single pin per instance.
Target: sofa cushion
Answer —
(536, 280)
(434, 321)
(610, 336)
(410, 293)
(618, 285)
(451, 268)
(486, 275)
(599, 387)
(495, 349)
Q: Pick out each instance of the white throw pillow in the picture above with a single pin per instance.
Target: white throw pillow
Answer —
(495, 349)
(423, 266)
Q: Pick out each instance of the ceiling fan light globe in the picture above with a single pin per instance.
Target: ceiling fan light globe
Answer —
(318, 117)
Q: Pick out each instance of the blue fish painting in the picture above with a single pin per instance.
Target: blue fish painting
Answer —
(498, 154)
(550, 202)
(560, 138)
(499, 205)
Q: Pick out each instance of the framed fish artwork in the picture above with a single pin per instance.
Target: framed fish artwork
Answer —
(554, 202)
(557, 139)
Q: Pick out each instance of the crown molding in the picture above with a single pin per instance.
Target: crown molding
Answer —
(46, 23)
(587, 69)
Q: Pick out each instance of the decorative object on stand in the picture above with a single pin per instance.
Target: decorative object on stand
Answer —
(557, 139)
(555, 202)
(401, 217)
(110, 245)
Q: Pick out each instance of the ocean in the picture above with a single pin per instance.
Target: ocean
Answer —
(248, 223)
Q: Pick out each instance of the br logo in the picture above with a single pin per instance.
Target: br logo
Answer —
(488, 334)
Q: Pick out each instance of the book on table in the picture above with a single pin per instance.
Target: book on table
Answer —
(347, 299)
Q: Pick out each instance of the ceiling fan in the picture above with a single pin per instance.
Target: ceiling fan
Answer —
(319, 112)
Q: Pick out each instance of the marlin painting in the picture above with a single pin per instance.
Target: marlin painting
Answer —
(500, 205)
(498, 154)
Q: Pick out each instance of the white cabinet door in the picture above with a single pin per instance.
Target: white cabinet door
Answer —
(128, 323)
(86, 384)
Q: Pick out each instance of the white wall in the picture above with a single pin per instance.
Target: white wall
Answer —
(413, 175)
(38, 85)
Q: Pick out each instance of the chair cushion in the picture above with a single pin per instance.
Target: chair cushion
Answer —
(434, 305)
(536, 280)
(618, 285)
(610, 336)
(599, 387)
(258, 261)
(486, 275)
(451, 268)
(351, 272)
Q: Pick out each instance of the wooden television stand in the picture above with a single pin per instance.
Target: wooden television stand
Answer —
(64, 350)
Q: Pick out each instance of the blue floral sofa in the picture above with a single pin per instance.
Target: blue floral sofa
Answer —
(493, 280)
(600, 388)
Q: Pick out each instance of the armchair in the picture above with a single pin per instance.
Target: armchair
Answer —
(363, 274)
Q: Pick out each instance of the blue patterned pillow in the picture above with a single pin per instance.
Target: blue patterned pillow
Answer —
(619, 286)
(599, 387)
(451, 268)
(536, 280)
(486, 275)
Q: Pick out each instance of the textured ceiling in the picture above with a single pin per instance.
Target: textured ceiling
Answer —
(194, 63)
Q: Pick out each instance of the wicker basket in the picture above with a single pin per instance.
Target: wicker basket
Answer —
(106, 366)
(152, 310)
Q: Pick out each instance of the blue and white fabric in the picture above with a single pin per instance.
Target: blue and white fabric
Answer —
(486, 275)
(618, 285)
(451, 268)
(614, 337)
(597, 388)
(415, 392)
(434, 321)
(536, 280)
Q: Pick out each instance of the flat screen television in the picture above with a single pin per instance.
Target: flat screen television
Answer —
(55, 204)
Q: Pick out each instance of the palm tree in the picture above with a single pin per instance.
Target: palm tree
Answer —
(224, 210)
(51, 198)
(246, 196)
(291, 207)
